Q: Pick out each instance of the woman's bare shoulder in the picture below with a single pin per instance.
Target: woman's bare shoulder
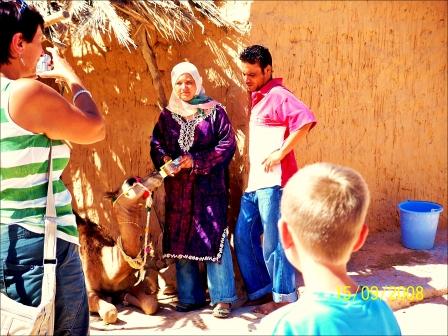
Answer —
(27, 88)
(34, 103)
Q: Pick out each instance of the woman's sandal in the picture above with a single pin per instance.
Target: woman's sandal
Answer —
(221, 312)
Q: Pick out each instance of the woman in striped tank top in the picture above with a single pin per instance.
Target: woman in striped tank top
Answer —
(33, 115)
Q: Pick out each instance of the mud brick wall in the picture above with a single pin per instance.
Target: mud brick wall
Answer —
(374, 73)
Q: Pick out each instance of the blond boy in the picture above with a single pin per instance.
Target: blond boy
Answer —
(322, 223)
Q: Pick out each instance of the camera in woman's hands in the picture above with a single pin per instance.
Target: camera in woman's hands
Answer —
(44, 63)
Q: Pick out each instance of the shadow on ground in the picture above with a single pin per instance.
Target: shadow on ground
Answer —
(382, 262)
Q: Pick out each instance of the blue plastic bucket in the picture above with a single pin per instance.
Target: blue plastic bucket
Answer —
(418, 222)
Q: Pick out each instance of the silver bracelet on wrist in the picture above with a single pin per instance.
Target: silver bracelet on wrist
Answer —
(76, 95)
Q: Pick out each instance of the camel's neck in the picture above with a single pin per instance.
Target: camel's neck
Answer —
(131, 226)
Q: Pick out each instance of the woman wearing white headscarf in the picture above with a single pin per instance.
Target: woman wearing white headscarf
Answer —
(196, 128)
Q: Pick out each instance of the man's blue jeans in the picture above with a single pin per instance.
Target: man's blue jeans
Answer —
(220, 280)
(21, 271)
(263, 265)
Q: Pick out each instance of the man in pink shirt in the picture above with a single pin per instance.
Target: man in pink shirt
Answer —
(278, 120)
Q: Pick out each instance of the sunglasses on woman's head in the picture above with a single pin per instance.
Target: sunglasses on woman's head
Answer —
(22, 4)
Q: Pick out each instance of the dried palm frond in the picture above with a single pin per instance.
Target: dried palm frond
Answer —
(102, 19)
(170, 19)
(212, 13)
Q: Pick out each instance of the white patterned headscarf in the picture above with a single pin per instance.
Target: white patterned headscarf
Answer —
(177, 105)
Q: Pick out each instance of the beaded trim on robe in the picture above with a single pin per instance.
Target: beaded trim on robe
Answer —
(186, 135)
(190, 257)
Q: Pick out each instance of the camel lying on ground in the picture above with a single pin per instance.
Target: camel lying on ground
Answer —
(117, 266)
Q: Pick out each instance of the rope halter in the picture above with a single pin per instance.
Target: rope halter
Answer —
(139, 261)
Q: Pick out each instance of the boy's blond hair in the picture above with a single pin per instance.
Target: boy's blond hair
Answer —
(325, 206)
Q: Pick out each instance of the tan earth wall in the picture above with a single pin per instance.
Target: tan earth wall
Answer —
(374, 73)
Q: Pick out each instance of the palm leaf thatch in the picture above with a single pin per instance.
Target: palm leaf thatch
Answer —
(172, 20)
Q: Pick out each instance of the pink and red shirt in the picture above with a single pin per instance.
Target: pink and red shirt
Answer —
(275, 113)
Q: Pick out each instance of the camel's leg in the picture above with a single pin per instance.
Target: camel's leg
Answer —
(151, 279)
(129, 299)
(167, 277)
(146, 302)
(107, 311)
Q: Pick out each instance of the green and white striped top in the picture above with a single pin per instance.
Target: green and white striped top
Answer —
(24, 176)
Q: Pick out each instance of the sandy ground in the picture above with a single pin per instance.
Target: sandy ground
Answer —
(383, 262)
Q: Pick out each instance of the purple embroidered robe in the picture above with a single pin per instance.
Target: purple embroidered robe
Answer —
(196, 199)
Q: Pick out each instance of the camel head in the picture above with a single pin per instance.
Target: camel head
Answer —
(152, 181)
(137, 191)
(132, 193)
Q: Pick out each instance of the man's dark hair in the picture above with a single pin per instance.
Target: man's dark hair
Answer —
(17, 17)
(257, 54)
